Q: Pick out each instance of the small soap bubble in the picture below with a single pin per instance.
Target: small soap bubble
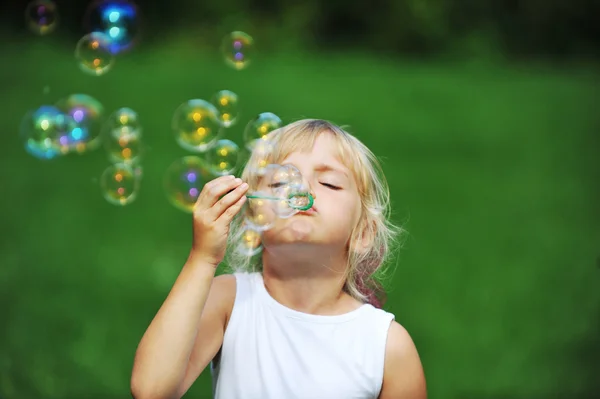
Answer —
(87, 112)
(119, 184)
(183, 182)
(284, 182)
(259, 127)
(196, 125)
(238, 49)
(226, 103)
(122, 121)
(126, 148)
(222, 158)
(117, 19)
(46, 132)
(260, 156)
(249, 242)
(122, 136)
(93, 54)
(259, 213)
(41, 16)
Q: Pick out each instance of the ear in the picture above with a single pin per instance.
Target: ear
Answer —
(363, 236)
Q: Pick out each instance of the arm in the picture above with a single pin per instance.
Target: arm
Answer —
(185, 334)
(403, 376)
(188, 329)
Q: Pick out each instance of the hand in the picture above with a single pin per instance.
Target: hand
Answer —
(212, 216)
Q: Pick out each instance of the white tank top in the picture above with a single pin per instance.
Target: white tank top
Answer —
(273, 352)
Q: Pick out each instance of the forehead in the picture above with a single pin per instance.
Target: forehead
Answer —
(325, 150)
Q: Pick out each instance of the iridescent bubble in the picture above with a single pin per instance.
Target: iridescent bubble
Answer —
(124, 120)
(259, 158)
(259, 127)
(285, 183)
(41, 16)
(122, 136)
(222, 158)
(196, 125)
(87, 112)
(93, 54)
(124, 146)
(183, 182)
(259, 212)
(249, 242)
(119, 184)
(46, 132)
(238, 49)
(226, 103)
(117, 19)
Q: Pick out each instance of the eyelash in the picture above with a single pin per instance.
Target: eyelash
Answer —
(331, 186)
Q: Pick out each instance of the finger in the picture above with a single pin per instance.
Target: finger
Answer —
(233, 210)
(214, 189)
(228, 200)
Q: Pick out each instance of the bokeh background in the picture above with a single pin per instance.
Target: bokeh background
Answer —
(485, 115)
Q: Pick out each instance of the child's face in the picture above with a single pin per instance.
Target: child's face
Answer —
(336, 209)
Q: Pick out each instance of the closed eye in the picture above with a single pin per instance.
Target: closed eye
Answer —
(277, 184)
(331, 186)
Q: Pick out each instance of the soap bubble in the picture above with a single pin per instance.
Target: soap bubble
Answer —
(125, 120)
(117, 19)
(183, 182)
(284, 182)
(226, 103)
(86, 111)
(47, 132)
(124, 146)
(196, 125)
(249, 242)
(259, 127)
(260, 156)
(41, 16)
(238, 49)
(122, 135)
(222, 158)
(93, 54)
(119, 184)
(259, 213)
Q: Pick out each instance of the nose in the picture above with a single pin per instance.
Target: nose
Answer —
(308, 186)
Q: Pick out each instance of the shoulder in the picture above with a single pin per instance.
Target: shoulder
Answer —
(403, 376)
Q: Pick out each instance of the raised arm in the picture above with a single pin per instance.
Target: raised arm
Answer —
(188, 329)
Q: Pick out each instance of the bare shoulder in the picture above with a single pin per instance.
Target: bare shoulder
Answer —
(403, 376)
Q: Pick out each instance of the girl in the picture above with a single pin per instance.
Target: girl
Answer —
(304, 319)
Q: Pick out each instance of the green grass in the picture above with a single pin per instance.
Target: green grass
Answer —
(493, 170)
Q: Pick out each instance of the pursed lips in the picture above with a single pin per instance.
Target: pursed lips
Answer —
(311, 211)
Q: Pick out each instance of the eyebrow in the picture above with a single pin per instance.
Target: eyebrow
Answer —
(328, 168)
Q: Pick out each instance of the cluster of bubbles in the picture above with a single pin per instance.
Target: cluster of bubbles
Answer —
(199, 127)
(79, 124)
(113, 27)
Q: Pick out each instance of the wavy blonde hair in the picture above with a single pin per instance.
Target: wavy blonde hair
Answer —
(365, 271)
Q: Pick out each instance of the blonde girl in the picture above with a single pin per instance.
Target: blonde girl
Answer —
(303, 319)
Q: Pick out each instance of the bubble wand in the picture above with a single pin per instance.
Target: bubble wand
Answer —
(298, 201)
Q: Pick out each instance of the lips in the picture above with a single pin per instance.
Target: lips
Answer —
(311, 211)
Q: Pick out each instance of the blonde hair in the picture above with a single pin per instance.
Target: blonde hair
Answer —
(364, 273)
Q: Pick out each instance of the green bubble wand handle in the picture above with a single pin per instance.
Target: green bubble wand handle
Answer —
(299, 205)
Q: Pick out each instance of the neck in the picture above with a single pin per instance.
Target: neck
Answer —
(308, 281)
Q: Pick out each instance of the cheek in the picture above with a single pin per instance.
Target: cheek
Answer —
(342, 212)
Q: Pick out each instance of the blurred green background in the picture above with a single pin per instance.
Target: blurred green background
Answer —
(485, 115)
